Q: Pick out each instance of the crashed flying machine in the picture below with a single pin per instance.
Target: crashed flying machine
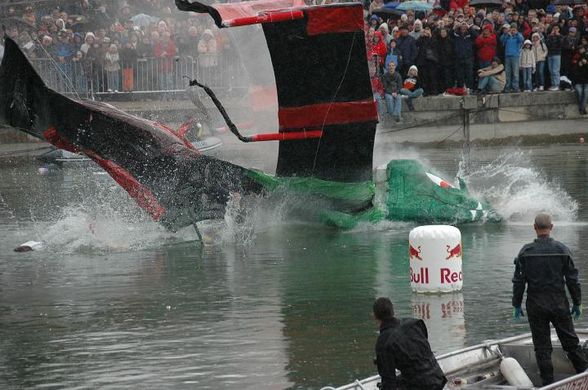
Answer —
(327, 123)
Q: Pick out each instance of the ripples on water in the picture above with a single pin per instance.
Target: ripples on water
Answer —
(115, 301)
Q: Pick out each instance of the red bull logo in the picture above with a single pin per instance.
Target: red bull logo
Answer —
(450, 277)
(453, 252)
(422, 277)
(414, 252)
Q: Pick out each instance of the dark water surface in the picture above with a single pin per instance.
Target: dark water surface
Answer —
(116, 302)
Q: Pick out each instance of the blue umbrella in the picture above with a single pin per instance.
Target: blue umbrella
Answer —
(415, 6)
(391, 5)
(143, 20)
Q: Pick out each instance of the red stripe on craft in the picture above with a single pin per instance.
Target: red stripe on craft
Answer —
(144, 198)
(317, 115)
(54, 138)
(287, 136)
(268, 17)
(327, 20)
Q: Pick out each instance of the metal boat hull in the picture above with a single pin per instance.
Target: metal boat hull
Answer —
(477, 367)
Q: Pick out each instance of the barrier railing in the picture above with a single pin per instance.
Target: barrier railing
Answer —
(87, 79)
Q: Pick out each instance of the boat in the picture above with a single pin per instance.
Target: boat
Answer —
(326, 118)
(479, 367)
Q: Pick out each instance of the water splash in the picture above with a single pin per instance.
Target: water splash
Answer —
(80, 230)
(518, 190)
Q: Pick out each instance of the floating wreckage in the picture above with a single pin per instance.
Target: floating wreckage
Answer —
(327, 124)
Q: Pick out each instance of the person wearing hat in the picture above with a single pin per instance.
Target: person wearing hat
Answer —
(554, 43)
(417, 29)
(411, 87)
(527, 65)
(512, 42)
(407, 48)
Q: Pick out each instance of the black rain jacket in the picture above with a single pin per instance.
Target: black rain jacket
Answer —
(402, 345)
(546, 267)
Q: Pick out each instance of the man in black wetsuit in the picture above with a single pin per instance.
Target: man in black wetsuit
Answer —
(403, 345)
(546, 266)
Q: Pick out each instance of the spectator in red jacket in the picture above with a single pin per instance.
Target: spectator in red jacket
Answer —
(165, 50)
(379, 49)
(455, 4)
(486, 46)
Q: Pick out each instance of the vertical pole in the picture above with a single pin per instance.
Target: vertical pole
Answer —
(466, 134)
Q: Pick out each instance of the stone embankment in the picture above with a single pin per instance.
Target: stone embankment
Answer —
(535, 117)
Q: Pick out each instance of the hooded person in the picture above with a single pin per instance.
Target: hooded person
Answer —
(527, 65)
(379, 48)
(385, 31)
(417, 30)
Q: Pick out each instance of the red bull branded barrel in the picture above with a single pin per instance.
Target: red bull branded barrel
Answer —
(435, 255)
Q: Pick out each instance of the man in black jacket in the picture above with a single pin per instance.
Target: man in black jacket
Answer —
(402, 345)
(392, 84)
(546, 266)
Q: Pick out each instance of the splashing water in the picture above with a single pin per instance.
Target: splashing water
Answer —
(518, 191)
(81, 230)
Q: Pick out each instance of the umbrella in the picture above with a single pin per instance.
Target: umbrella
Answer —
(568, 2)
(415, 6)
(388, 11)
(144, 20)
(486, 3)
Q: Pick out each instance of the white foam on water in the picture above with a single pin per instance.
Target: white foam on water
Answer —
(82, 230)
(518, 190)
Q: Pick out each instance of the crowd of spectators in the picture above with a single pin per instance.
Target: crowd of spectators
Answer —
(520, 45)
(108, 45)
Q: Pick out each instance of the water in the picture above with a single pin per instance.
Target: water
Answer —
(115, 301)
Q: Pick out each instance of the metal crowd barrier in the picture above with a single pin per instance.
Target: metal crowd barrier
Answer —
(222, 73)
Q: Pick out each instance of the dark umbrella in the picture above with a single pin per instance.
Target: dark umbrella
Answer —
(388, 11)
(568, 2)
(486, 3)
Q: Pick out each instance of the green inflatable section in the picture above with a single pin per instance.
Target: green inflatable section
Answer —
(405, 191)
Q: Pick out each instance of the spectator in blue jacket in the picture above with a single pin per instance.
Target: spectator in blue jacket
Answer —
(407, 49)
(512, 42)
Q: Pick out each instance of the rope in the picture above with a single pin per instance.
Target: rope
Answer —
(333, 99)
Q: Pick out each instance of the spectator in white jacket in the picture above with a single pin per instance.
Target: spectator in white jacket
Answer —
(540, 51)
(527, 65)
